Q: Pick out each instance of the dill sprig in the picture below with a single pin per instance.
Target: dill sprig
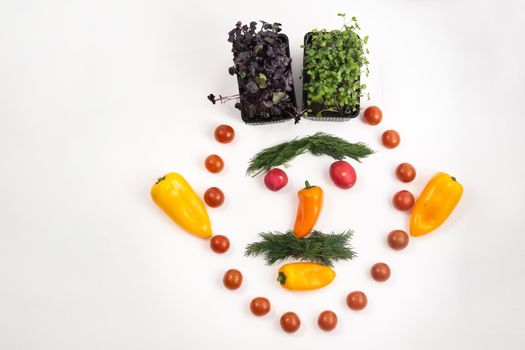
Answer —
(317, 247)
(317, 144)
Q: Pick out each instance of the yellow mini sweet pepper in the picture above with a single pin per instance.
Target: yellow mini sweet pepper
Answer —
(305, 276)
(437, 201)
(177, 199)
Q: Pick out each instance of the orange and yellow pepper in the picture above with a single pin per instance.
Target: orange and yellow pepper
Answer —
(305, 276)
(437, 201)
(176, 198)
(308, 210)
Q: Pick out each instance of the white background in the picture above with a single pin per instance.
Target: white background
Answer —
(99, 98)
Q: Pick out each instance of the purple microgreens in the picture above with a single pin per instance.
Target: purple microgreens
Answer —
(263, 69)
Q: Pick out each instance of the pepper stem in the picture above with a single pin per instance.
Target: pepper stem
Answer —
(162, 178)
(307, 184)
(453, 178)
(281, 278)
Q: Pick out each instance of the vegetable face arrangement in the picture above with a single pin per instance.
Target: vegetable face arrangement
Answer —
(262, 65)
(319, 250)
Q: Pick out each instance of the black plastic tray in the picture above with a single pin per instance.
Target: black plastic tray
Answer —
(328, 115)
(291, 94)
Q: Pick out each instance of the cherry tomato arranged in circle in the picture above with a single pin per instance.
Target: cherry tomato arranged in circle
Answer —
(380, 272)
(214, 197)
(327, 320)
(214, 164)
(390, 139)
(224, 133)
(356, 300)
(373, 115)
(290, 322)
(403, 200)
(220, 244)
(397, 239)
(260, 306)
(232, 279)
(405, 172)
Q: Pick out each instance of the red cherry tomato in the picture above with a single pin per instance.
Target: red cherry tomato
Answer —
(327, 320)
(397, 239)
(403, 200)
(214, 197)
(390, 139)
(260, 306)
(224, 133)
(356, 300)
(373, 115)
(220, 244)
(232, 279)
(343, 174)
(405, 172)
(290, 322)
(380, 272)
(214, 163)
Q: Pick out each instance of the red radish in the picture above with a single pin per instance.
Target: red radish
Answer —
(343, 174)
(275, 179)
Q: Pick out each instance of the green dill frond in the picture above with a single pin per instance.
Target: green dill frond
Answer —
(317, 247)
(317, 144)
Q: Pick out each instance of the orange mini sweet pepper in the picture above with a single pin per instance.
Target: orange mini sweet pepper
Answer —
(437, 201)
(310, 206)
